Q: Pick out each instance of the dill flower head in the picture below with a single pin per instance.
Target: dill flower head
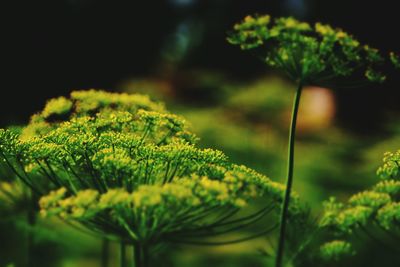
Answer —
(86, 103)
(335, 250)
(309, 54)
(137, 175)
(146, 189)
(143, 185)
(376, 207)
(391, 166)
(395, 59)
(362, 208)
(13, 198)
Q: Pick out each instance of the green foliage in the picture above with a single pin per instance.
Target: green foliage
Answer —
(305, 53)
(264, 98)
(335, 250)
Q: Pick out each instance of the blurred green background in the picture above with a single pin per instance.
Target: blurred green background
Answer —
(176, 52)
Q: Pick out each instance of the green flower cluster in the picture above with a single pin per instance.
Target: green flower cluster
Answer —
(395, 60)
(307, 54)
(335, 250)
(86, 103)
(378, 207)
(391, 166)
(127, 169)
(154, 212)
(12, 197)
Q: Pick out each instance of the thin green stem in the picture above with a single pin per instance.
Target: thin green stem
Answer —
(145, 256)
(141, 255)
(105, 255)
(217, 243)
(122, 255)
(137, 255)
(31, 219)
(289, 181)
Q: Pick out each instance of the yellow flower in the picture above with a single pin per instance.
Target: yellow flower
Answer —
(57, 106)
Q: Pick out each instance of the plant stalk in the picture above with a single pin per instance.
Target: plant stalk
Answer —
(145, 256)
(137, 255)
(289, 179)
(105, 248)
(31, 220)
(122, 255)
(141, 255)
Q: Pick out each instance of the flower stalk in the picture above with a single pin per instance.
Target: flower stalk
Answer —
(31, 220)
(122, 254)
(105, 247)
(141, 255)
(312, 55)
(289, 179)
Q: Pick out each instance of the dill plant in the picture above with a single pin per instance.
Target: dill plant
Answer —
(130, 171)
(86, 103)
(335, 250)
(56, 111)
(374, 213)
(375, 209)
(15, 195)
(308, 55)
(18, 205)
(395, 59)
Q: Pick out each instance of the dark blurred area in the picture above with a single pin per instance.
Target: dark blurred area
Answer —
(49, 48)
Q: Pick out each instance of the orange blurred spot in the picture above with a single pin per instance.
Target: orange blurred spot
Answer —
(317, 109)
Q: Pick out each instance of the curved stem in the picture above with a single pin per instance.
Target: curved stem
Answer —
(289, 181)
(220, 243)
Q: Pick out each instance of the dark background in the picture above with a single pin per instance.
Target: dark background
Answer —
(50, 47)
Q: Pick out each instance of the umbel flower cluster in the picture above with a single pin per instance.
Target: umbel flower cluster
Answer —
(86, 103)
(14, 196)
(310, 54)
(125, 168)
(378, 207)
(395, 59)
